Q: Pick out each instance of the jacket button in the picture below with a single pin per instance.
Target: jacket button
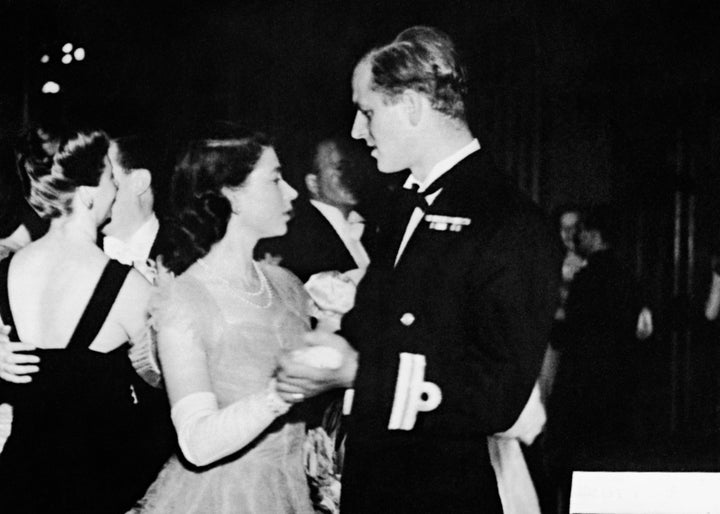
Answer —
(407, 319)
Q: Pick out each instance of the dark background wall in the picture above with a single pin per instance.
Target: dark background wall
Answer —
(586, 101)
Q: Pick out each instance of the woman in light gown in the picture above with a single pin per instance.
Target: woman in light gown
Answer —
(222, 323)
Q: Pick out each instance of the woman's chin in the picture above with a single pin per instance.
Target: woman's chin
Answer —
(280, 230)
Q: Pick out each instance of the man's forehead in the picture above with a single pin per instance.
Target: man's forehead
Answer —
(361, 80)
(328, 155)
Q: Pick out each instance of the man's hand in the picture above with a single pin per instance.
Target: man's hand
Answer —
(16, 367)
(297, 381)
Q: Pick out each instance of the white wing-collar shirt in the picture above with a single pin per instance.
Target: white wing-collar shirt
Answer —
(136, 250)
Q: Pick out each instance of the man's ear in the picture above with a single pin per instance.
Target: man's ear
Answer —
(140, 180)
(414, 103)
(311, 183)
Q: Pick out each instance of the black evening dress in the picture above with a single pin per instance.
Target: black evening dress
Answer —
(74, 435)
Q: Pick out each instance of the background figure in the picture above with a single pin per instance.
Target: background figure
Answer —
(135, 236)
(20, 159)
(75, 424)
(452, 303)
(326, 232)
(712, 304)
(590, 410)
(134, 232)
(19, 223)
(35, 147)
(222, 325)
(711, 329)
(568, 219)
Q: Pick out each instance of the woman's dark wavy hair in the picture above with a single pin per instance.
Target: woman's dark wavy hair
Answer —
(423, 59)
(199, 211)
(79, 162)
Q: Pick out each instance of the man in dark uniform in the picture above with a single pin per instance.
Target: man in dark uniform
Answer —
(452, 319)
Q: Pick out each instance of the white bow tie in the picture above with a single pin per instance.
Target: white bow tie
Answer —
(355, 226)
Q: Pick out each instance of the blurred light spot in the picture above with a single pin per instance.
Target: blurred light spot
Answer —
(45, 59)
(66, 59)
(51, 87)
(79, 54)
(67, 48)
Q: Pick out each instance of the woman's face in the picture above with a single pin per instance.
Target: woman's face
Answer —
(263, 203)
(105, 193)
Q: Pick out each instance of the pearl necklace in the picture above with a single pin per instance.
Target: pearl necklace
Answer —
(238, 292)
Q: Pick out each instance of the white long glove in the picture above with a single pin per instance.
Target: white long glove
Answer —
(207, 433)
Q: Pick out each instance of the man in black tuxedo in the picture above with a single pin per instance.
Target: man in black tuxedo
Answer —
(133, 235)
(326, 232)
(452, 318)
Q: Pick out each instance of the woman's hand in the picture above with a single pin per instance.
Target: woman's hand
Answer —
(297, 379)
(16, 367)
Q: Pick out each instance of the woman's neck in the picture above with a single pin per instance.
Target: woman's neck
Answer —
(232, 256)
(75, 228)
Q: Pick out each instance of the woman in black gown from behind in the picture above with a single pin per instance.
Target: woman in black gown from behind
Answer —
(72, 446)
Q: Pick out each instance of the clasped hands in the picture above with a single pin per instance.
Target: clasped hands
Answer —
(299, 377)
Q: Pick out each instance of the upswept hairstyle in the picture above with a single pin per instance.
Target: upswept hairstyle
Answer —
(79, 162)
(423, 59)
(199, 211)
(31, 157)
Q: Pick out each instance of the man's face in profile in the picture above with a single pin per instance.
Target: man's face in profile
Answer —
(332, 187)
(382, 124)
(123, 207)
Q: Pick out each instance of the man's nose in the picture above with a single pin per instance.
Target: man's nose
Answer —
(359, 128)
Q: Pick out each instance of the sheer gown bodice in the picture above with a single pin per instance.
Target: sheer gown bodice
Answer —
(242, 343)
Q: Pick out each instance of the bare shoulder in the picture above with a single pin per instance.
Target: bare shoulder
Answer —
(135, 291)
(62, 265)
